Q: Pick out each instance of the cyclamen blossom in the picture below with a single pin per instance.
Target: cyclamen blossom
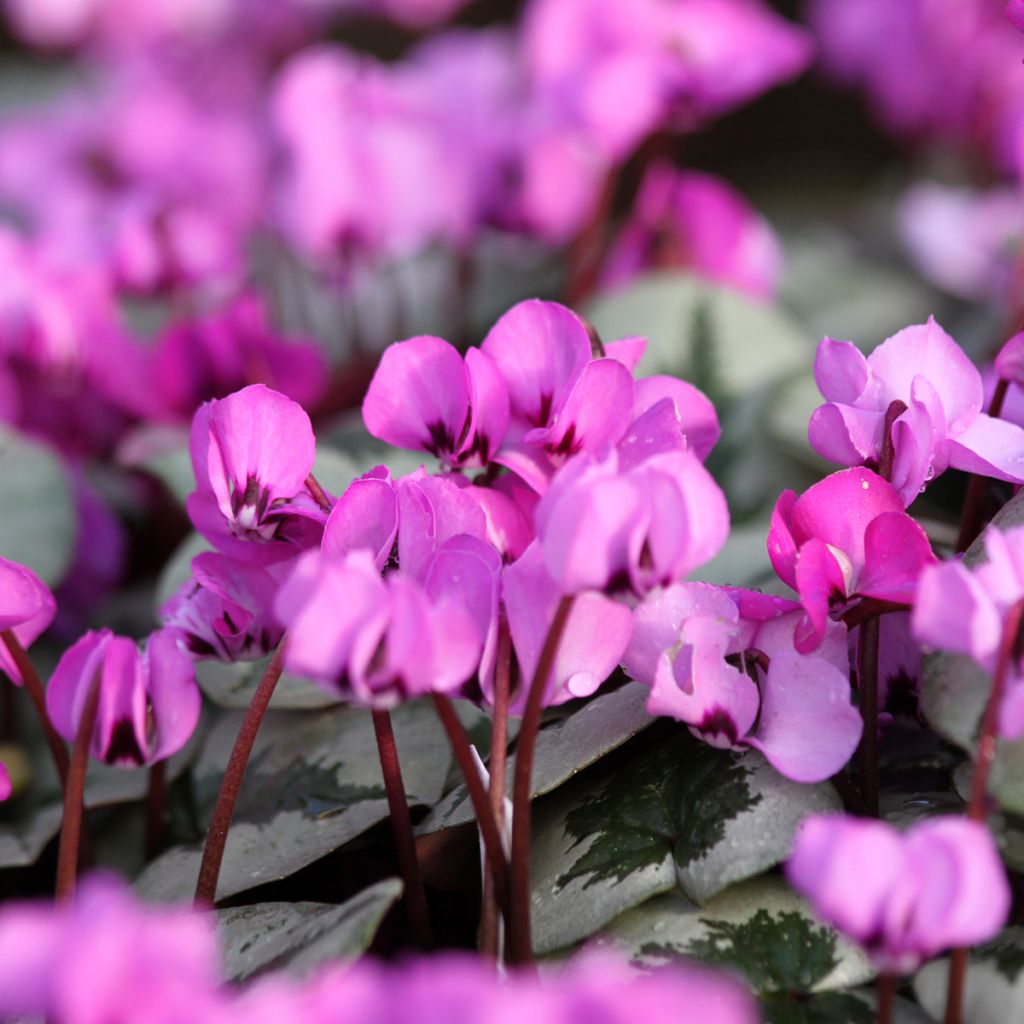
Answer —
(961, 609)
(943, 425)
(252, 453)
(149, 703)
(723, 661)
(26, 608)
(904, 897)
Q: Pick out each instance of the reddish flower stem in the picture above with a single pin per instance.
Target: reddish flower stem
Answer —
(34, 688)
(585, 254)
(520, 937)
(156, 801)
(74, 797)
(1009, 648)
(401, 827)
(224, 809)
(886, 991)
(318, 493)
(974, 501)
(887, 456)
(489, 919)
(489, 829)
(870, 608)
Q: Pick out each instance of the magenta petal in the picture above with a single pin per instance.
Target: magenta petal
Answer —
(917, 452)
(418, 397)
(539, 348)
(66, 693)
(1015, 13)
(953, 612)
(173, 694)
(694, 411)
(845, 435)
(628, 351)
(808, 728)
(991, 447)
(782, 546)
(26, 606)
(819, 575)
(365, 516)
(840, 371)
(488, 406)
(896, 551)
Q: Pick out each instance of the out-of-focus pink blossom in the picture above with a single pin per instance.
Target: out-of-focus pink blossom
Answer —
(906, 897)
(148, 702)
(1015, 12)
(252, 453)
(5, 783)
(1009, 363)
(725, 663)
(26, 607)
(942, 427)
(961, 609)
(846, 537)
(690, 220)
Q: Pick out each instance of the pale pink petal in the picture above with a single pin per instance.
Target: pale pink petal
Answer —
(840, 371)
(991, 447)
(953, 612)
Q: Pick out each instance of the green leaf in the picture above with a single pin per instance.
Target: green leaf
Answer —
(564, 748)
(38, 522)
(313, 784)
(676, 814)
(300, 937)
(759, 927)
(827, 1008)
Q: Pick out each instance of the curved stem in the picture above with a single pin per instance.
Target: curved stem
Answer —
(869, 608)
(224, 809)
(74, 796)
(490, 943)
(401, 827)
(971, 519)
(888, 454)
(1009, 648)
(867, 662)
(489, 829)
(520, 937)
(318, 493)
(36, 693)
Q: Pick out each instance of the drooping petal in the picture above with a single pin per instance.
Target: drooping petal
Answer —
(694, 411)
(419, 397)
(26, 606)
(67, 690)
(953, 612)
(488, 408)
(819, 576)
(174, 697)
(808, 728)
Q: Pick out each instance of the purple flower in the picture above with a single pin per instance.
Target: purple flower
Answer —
(904, 897)
(942, 426)
(595, 637)
(252, 453)
(1015, 12)
(364, 517)
(426, 397)
(224, 610)
(692, 220)
(724, 662)
(959, 609)
(846, 537)
(148, 702)
(379, 640)
(610, 525)
(108, 958)
(1009, 364)
(26, 606)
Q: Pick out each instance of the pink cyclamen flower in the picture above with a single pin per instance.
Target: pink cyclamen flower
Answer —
(1010, 360)
(943, 425)
(612, 525)
(224, 610)
(696, 221)
(963, 610)
(904, 897)
(427, 397)
(252, 453)
(595, 637)
(26, 607)
(1015, 12)
(724, 662)
(379, 640)
(846, 537)
(148, 701)
(108, 957)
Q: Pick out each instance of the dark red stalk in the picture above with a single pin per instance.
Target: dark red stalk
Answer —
(318, 493)
(1009, 648)
(224, 809)
(34, 688)
(156, 800)
(886, 991)
(74, 797)
(489, 828)
(520, 938)
(974, 501)
(489, 912)
(401, 827)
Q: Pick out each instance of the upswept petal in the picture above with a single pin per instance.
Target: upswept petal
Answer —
(991, 447)
(819, 576)
(26, 606)
(841, 371)
(488, 409)
(953, 611)
(365, 516)
(173, 693)
(896, 552)
(694, 411)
